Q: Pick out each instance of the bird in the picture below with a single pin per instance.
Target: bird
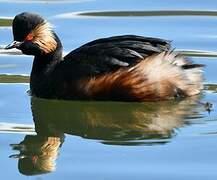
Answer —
(128, 68)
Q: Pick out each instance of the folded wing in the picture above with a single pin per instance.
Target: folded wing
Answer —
(109, 54)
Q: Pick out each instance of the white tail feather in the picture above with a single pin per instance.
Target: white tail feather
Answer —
(165, 69)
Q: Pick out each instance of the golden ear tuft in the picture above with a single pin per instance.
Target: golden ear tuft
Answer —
(44, 37)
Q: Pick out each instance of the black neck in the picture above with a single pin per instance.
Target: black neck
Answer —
(43, 66)
(44, 63)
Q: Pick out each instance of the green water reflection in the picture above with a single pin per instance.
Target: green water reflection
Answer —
(211, 87)
(150, 13)
(4, 78)
(5, 22)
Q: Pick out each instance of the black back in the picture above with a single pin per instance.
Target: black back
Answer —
(109, 54)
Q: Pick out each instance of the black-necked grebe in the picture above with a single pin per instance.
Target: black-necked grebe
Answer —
(120, 68)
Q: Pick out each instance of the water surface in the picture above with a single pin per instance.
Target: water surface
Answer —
(50, 139)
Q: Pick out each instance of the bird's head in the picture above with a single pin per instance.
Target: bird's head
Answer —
(32, 35)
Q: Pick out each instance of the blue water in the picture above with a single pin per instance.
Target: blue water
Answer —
(108, 140)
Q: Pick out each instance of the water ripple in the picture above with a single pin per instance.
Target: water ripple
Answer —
(9, 51)
(139, 13)
(17, 128)
(45, 1)
(198, 53)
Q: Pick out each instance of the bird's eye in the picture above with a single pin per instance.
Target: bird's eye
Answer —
(29, 37)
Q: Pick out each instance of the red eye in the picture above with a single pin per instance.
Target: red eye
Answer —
(29, 37)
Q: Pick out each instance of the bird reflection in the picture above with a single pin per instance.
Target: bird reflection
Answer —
(115, 123)
(37, 154)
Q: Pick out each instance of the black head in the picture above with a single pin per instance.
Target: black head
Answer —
(24, 23)
(32, 34)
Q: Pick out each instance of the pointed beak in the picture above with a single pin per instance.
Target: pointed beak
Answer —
(17, 156)
(14, 44)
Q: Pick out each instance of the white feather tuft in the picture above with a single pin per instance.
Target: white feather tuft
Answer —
(165, 70)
